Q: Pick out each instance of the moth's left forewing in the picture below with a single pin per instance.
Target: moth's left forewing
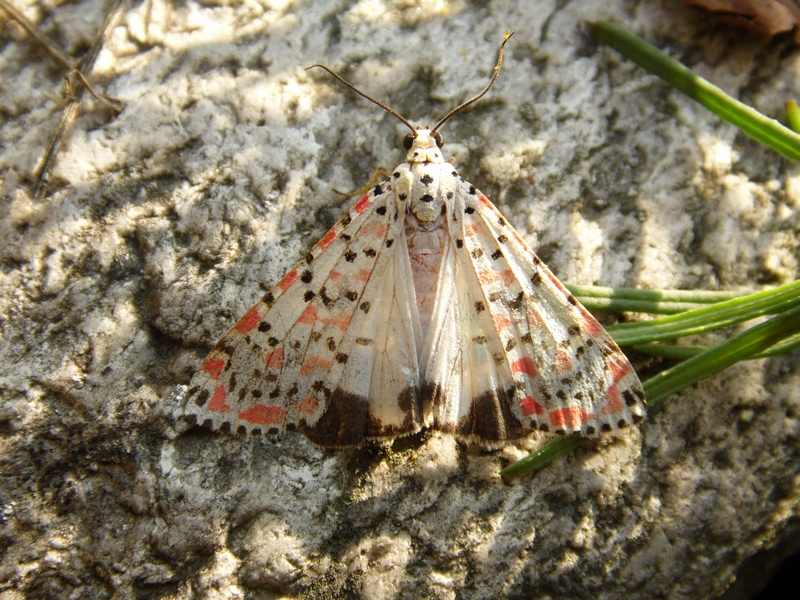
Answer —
(568, 375)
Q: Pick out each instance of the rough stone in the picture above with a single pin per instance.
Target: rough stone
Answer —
(163, 223)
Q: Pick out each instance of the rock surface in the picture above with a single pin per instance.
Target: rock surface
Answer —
(163, 223)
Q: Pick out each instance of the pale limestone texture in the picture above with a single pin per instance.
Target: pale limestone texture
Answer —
(164, 223)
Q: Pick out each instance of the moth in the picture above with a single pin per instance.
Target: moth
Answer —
(421, 308)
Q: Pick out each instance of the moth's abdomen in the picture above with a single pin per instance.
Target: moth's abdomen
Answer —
(425, 250)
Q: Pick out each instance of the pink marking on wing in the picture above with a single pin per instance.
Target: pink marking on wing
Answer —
(263, 415)
(508, 276)
(614, 404)
(288, 279)
(500, 322)
(619, 369)
(530, 406)
(341, 321)
(274, 359)
(487, 276)
(250, 319)
(362, 204)
(534, 318)
(213, 366)
(524, 365)
(363, 275)
(470, 229)
(485, 201)
(377, 230)
(307, 405)
(570, 416)
(327, 239)
(309, 315)
(217, 403)
(590, 325)
(313, 363)
(563, 361)
(334, 275)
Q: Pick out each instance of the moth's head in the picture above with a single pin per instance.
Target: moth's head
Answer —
(424, 146)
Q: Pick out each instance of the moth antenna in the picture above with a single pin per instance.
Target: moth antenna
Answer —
(388, 109)
(462, 106)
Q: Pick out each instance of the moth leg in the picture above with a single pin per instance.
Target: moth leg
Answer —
(379, 175)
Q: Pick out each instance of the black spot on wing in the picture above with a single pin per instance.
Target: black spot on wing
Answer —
(326, 300)
(201, 398)
(225, 347)
(518, 302)
(346, 421)
(343, 421)
(491, 417)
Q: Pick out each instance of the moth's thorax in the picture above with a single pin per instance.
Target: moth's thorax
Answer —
(425, 182)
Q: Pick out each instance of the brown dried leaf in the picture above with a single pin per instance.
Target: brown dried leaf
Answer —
(765, 17)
